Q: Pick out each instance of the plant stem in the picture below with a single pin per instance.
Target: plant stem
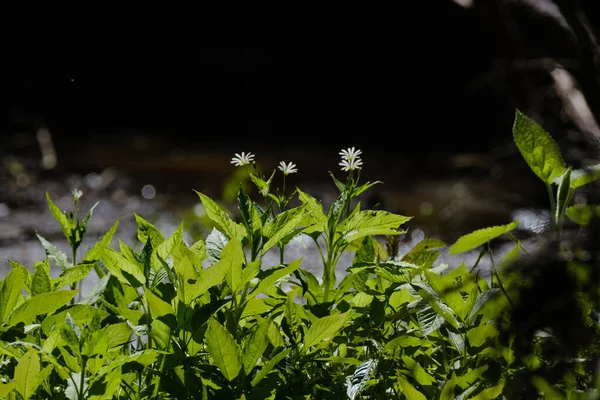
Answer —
(82, 380)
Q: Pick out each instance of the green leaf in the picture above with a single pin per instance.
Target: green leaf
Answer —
(221, 219)
(274, 274)
(479, 237)
(40, 283)
(366, 223)
(65, 223)
(479, 335)
(95, 253)
(11, 292)
(146, 231)
(72, 275)
(417, 371)
(115, 262)
(26, 374)
(6, 388)
(28, 276)
(583, 176)
(409, 391)
(278, 228)
(160, 332)
(324, 329)
(118, 334)
(165, 249)
(223, 349)
(256, 344)
(582, 214)
(212, 276)
(158, 307)
(315, 219)
(55, 254)
(563, 194)
(44, 303)
(233, 255)
(429, 295)
(490, 393)
(269, 366)
(538, 148)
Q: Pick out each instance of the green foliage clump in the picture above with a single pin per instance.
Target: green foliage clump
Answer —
(212, 319)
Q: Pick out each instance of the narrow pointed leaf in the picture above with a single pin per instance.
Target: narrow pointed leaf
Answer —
(324, 329)
(231, 228)
(26, 374)
(44, 303)
(115, 263)
(53, 253)
(95, 253)
(479, 237)
(409, 391)
(256, 345)
(65, 223)
(11, 293)
(223, 349)
(146, 231)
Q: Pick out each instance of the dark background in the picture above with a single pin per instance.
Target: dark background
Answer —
(420, 78)
(418, 75)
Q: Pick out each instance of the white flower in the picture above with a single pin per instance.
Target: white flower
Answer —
(350, 154)
(77, 194)
(242, 159)
(351, 165)
(288, 168)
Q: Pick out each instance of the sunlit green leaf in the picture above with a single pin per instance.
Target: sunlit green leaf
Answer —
(158, 307)
(26, 374)
(315, 219)
(146, 231)
(72, 275)
(366, 223)
(278, 228)
(95, 253)
(538, 148)
(479, 237)
(65, 223)
(255, 345)
(583, 176)
(223, 349)
(116, 263)
(324, 329)
(11, 292)
(269, 366)
(274, 274)
(231, 228)
(44, 303)
(409, 391)
(417, 371)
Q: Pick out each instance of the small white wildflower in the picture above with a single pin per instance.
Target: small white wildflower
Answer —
(350, 154)
(77, 194)
(242, 159)
(288, 168)
(351, 165)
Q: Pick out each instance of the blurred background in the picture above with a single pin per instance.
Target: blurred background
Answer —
(138, 110)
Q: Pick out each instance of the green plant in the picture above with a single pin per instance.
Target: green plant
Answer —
(212, 319)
